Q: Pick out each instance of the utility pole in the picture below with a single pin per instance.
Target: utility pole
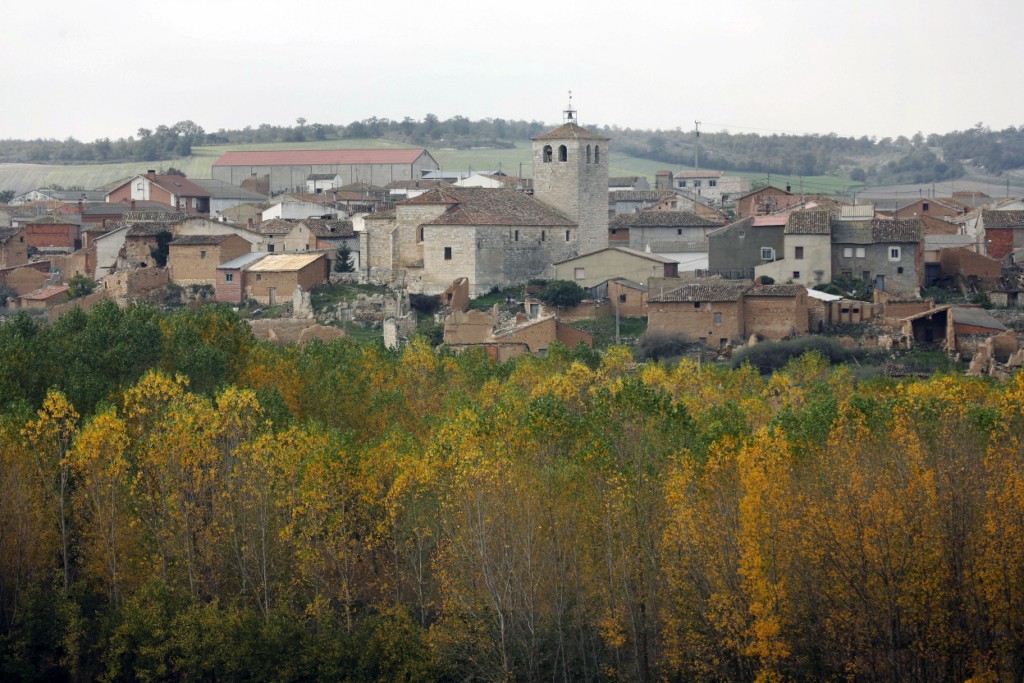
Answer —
(616, 320)
(696, 148)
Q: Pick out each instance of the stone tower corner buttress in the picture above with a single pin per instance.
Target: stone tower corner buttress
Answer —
(570, 173)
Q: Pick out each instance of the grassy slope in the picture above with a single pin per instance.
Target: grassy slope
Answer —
(25, 177)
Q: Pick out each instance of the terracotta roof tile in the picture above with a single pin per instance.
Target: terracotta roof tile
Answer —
(699, 293)
(898, 230)
(484, 206)
(322, 228)
(809, 222)
(639, 195)
(1003, 219)
(571, 131)
(775, 290)
(663, 219)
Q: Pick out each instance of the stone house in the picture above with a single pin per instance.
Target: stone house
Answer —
(13, 247)
(172, 190)
(888, 254)
(193, 259)
(734, 251)
(806, 254)
(590, 270)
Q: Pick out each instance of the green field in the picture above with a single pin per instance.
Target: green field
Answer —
(24, 177)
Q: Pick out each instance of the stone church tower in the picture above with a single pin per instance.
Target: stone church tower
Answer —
(570, 173)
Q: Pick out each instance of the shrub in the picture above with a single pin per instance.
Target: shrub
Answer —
(562, 293)
(660, 345)
(982, 299)
(80, 285)
(770, 356)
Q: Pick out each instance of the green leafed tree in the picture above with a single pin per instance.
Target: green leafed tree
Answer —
(343, 262)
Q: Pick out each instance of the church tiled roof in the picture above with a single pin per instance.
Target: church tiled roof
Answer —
(571, 131)
(483, 206)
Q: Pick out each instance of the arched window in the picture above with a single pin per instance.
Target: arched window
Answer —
(563, 153)
(547, 154)
(597, 154)
(588, 154)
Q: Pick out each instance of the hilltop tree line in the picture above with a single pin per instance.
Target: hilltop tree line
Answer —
(918, 159)
(181, 502)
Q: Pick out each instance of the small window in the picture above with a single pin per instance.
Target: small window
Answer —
(717, 318)
(682, 183)
(847, 274)
(543, 235)
(622, 298)
(767, 254)
(579, 273)
(547, 154)
(566, 235)
(270, 247)
(860, 252)
(847, 252)
(894, 253)
(597, 154)
(517, 235)
(259, 276)
(712, 183)
(696, 304)
(899, 271)
(421, 233)
(563, 153)
(447, 253)
(796, 274)
(229, 277)
(588, 154)
(696, 183)
(798, 252)
(202, 253)
(679, 231)
(21, 239)
(924, 207)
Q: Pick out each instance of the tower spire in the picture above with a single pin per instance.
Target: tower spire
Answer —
(569, 114)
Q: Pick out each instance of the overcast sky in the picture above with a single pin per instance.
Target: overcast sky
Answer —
(872, 67)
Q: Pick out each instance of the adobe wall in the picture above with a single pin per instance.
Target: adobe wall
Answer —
(25, 279)
(635, 304)
(469, 327)
(84, 302)
(697, 323)
(774, 317)
(571, 337)
(134, 282)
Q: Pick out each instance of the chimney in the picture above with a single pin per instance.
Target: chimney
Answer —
(788, 187)
(104, 223)
(133, 205)
(80, 210)
(150, 173)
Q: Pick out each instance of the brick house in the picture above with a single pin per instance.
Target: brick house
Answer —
(1002, 231)
(13, 247)
(945, 207)
(775, 311)
(273, 278)
(709, 313)
(172, 190)
(52, 233)
(628, 298)
(717, 314)
(193, 259)
(228, 286)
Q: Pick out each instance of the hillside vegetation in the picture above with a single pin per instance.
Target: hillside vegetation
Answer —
(180, 502)
(498, 143)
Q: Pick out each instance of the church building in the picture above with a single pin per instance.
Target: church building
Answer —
(497, 237)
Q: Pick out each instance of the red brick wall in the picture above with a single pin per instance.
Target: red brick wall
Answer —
(1000, 242)
(40, 235)
(697, 323)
